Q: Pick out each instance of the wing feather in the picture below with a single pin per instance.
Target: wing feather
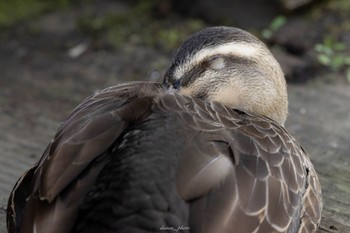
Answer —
(48, 196)
(264, 187)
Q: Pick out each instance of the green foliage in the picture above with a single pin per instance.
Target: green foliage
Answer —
(332, 54)
(139, 26)
(275, 24)
(339, 5)
(13, 11)
(347, 74)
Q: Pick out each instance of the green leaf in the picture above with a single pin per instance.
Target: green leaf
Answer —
(278, 22)
(324, 59)
(347, 60)
(328, 50)
(266, 33)
(339, 46)
(328, 41)
(348, 74)
(337, 62)
(319, 48)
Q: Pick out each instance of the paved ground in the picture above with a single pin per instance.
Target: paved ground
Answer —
(320, 120)
(40, 84)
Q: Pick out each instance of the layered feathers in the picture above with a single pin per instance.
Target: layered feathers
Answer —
(230, 171)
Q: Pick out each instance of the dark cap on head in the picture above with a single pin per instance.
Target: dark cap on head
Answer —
(211, 37)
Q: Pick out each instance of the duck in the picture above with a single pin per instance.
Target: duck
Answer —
(205, 151)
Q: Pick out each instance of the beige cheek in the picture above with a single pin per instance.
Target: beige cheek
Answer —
(188, 91)
(193, 89)
(229, 97)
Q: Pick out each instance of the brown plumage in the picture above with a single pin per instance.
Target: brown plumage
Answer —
(145, 157)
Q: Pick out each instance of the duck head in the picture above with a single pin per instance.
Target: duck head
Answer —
(232, 67)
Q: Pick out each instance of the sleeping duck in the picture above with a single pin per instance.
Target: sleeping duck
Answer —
(203, 152)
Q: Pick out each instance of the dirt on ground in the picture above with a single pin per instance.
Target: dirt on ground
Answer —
(47, 67)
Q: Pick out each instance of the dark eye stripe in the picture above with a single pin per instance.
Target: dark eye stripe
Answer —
(231, 61)
(189, 77)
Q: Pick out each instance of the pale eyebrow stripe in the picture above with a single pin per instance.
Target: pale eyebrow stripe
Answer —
(244, 50)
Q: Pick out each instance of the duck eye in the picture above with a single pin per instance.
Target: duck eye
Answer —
(217, 63)
(177, 83)
(170, 81)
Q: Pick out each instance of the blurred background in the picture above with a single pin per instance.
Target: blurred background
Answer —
(55, 53)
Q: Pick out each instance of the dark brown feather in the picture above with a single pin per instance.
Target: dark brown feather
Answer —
(236, 172)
